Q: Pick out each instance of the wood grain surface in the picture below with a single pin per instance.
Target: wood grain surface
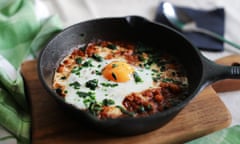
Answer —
(228, 84)
(51, 125)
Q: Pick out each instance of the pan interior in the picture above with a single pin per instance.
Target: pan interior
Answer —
(159, 37)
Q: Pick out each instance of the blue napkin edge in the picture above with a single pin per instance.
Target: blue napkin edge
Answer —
(201, 41)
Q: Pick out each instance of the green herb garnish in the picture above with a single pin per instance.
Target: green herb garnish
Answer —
(137, 77)
(141, 109)
(146, 66)
(97, 57)
(125, 111)
(95, 108)
(92, 84)
(78, 60)
(108, 102)
(98, 72)
(109, 84)
(87, 64)
(76, 70)
(89, 99)
(167, 80)
(154, 70)
(157, 77)
(84, 94)
(75, 85)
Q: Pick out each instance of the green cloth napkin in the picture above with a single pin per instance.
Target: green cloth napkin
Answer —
(226, 136)
(22, 34)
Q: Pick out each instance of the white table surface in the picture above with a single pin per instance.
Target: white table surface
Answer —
(75, 11)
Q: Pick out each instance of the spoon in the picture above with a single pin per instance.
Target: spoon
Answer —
(182, 21)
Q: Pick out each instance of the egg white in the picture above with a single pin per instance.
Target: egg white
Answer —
(117, 94)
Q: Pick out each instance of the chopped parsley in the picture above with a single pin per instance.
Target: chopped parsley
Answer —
(98, 72)
(91, 98)
(167, 80)
(76, 70)
(87, 63)
(92, 84)
(109, 84)
(78, 60)
(141, 109)
(84, 94)
(154, 70)
(75, 85)
(95, 108)
(157, 77)
(108, 102)
(123, 110)
(137, 77)
(147, 66)
(97, 57)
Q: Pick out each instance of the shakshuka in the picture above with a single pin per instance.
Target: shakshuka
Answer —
(119, 79)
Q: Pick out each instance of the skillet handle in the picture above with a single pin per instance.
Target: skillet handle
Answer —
(228, 84)
(214, 72)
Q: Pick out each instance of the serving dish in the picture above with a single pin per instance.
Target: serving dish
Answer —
(200, 71)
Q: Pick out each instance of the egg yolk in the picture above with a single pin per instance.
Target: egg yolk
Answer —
(118, 71)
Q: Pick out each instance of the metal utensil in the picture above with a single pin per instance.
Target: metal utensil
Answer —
(180, 20)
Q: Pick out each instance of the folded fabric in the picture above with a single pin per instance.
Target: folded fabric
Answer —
(22, 34)
(212, 20)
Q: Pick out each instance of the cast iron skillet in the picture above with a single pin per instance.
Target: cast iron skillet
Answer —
(200, 71)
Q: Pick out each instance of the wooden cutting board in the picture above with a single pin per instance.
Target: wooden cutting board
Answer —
(228, 84)
(51, 125)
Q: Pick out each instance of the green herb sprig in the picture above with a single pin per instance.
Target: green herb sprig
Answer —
(92, 84)
(137, 78)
